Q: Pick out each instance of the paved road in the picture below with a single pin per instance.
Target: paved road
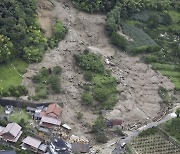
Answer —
(131, 134)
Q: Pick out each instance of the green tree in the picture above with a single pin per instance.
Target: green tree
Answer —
(5, 49)
(153, 21)
(167, 20)
(99, 125)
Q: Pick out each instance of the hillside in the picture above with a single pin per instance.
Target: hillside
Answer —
(97, 58)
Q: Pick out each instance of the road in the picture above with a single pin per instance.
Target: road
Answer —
(131, 134)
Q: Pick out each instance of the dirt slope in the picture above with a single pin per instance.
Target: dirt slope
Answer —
(138, 84)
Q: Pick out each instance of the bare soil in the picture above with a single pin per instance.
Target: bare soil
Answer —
(138, 97)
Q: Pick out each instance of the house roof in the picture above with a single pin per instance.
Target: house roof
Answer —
(78, 147)
(116, 122)
(54, 110)
(50, 120)
(8, 152)
(32, 142)
(12, 128)
(59, 143)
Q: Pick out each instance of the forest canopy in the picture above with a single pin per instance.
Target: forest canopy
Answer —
(19, 31)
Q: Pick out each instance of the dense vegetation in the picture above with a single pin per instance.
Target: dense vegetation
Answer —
(94, 5)
(102, 90)
(173, 127)
(20, 32)
(151, 27)
(99, 129)
(58, 33)
(46, 80)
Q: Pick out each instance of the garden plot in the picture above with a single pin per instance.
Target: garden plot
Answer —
(153, 144)
(139, 38)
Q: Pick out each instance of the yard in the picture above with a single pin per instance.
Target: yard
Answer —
(11, 74)
(20, 114)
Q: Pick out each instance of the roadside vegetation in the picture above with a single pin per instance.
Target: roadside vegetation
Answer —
(47, 80)
(100, 89)
(172, 127)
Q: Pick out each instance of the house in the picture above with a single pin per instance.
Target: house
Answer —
(8, 152)
(38, 113)
(58, 146)
(54, 110)
(80, 148)
(11, 132)
(49, 122)
(114, 122)
(34, 145)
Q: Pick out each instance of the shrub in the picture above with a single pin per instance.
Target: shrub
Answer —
(87, 99)
(167, 20)
(57, 69)
(36, 78)
(101, 93)
(18, 91)
(55, 84)
(163, 93)
(118, 40)
(101, 138)
(153, 21)
(150, 131)
(178, 112)
(90, 62)
(86, 87)
(79, 115)
(88, 76)
(119, 132)
(99, 125)
(41, 92)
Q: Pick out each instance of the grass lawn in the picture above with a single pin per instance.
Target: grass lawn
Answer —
(19, 114)
(10, 74)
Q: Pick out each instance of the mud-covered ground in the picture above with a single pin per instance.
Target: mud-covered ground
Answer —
(138, 97)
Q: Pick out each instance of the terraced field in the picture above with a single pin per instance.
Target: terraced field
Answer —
(170, 71)
(153, 144)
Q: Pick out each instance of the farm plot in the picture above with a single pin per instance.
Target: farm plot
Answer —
(140, 41)
(153, 144)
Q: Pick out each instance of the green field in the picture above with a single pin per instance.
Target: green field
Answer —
(10, 74)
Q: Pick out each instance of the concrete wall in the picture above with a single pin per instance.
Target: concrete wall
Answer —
(22, 103)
